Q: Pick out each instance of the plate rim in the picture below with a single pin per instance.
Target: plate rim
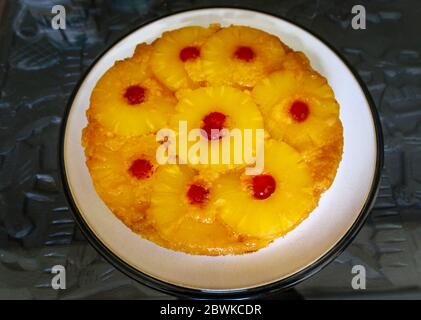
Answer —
(272, 287)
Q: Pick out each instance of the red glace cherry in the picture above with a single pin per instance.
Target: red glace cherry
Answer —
(197, 194)
(216, 121)
(263, 186)
(189, 53)
(135, 94)
(299, 111)
(244, 53)
(141, 169)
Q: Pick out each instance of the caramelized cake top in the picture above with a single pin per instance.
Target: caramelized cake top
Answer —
(191, 98)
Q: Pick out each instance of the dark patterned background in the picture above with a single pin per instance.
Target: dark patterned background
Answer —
(39, 67)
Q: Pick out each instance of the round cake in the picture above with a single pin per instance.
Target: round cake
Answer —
(213, 140)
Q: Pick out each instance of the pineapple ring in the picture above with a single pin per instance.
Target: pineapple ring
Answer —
(177, 180)
(239, 55)
(144, 111)
(187, 227)
(320, 125)
(287, 205)
(240, 111)
(289, 89)
(176, 59)
(110, 160)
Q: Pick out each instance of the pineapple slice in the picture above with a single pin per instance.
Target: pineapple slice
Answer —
(300, 107)
(129, 102)
(122, 170)
(192, 195)
(176, 58)
(217, 108)
(239, 55)
(270, 204)
(183, 216)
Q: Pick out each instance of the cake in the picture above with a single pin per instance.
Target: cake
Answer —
(165, 127)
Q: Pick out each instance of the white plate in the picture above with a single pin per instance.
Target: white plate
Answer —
(286, 261)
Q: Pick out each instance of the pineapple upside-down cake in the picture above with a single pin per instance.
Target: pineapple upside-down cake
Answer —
(212, 79)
